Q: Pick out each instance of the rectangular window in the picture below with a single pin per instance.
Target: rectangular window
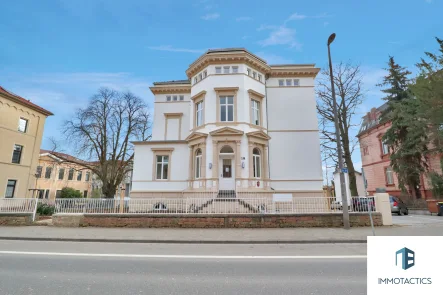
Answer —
(288, 82)
(162, 167)
(385, 148)
(226, 70)
(281, 82)
(199, 114)
(182, 97)
(58, 193)
(389, 175)
(205, 74)
(41, 193)
(218, 70)
(39, 171)
(365, 151)
(226, 108)
(235, 69)
(254, 75)
(23, 125)
(88, 176)
(10, 188)
(79, 176)
(256, 166)
(200, 76)
(259, 77)
(168, 98)
(47, 194)
(255, 105)
(85, 194)
(198, 163)
(61, 173)
(17, 154)
(296, 82)
(175, 98)
(249, 72)
(71, 174)
(195, 80)
(48, 172)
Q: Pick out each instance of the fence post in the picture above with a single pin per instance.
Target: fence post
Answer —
(35, 210)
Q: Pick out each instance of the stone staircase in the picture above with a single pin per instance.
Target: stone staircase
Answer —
(225, 202)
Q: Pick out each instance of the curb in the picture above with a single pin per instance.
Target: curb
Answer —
(88, 240)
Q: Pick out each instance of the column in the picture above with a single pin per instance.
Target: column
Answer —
(214, 160)
(238, 159)
(250, 159)
(265, 162)
(191, 149)
(203, 164)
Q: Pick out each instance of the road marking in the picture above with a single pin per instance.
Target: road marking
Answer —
(182, 256)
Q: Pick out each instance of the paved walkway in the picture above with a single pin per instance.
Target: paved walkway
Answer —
(168, 235)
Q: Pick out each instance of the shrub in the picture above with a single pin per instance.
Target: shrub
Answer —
(45, 209)
(436, 183)
(70, 193)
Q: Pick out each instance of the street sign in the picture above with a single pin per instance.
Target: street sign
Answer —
(344, 170)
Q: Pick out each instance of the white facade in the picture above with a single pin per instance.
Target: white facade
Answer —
(360, 186)
(233, 127)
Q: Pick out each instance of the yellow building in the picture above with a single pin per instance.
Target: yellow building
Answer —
(53, 174)
(21, 130)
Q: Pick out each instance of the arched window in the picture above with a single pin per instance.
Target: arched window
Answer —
(226, 150)
(198, 163)
(256, 162)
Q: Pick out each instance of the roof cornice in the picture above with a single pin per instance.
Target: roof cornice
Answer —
(171, 88)
(308, 70)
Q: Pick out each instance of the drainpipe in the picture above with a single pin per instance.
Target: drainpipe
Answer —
(32, 158)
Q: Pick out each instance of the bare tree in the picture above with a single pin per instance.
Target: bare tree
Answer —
(102, 133)
(349, 94)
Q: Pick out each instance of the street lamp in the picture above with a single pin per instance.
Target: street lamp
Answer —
(344, 196)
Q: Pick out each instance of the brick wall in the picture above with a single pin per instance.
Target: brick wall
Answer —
(214, 221)
(15, 219)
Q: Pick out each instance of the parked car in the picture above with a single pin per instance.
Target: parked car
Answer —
(397, 206)
(363, 204)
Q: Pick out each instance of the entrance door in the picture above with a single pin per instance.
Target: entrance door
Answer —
(227, 181)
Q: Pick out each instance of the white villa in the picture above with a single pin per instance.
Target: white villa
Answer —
(236, 125)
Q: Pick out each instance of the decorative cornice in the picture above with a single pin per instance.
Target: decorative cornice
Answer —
(152, 142)
(255, 93)
(226, 89)
(201, 93)
(195, 135)
(226, 131)
(258, 134)
(162, 149)
(166, 89)
(293, 71)
(173, 114)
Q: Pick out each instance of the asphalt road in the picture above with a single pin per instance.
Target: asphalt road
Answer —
(99, 268)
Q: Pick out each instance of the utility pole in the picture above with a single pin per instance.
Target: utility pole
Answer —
(344, 196)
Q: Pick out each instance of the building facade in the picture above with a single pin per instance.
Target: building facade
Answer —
(237, 124)
(21, 130)
(53, 174)
(375, 155)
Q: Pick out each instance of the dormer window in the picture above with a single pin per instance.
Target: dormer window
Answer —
(218, 70)
(226, 70)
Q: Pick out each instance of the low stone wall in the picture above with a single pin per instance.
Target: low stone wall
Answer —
(15, 219)
(213, 221)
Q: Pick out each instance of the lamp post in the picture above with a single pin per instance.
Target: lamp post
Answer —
(344, 196)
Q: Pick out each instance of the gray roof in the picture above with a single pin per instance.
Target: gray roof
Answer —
(370, 122)
(233, 49)
(172, 82)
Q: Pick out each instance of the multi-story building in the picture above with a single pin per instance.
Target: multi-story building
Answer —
(53, 173)
(375, 155)
(21, 130)
(236, 124)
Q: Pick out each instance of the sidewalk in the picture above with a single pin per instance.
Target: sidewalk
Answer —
(219, 236)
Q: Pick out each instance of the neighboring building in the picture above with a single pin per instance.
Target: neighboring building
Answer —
(360, 186)
(21, 130)
(53, 174)
(238, 124)
(375, 155)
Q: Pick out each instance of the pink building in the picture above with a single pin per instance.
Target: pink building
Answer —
(375, 157)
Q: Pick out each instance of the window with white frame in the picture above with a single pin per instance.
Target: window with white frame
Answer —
(385, 147)
(198, 164)
(288, 82)
(61, 173)
(10, 188)
(195, 80)
(162, 167)
(38, 173)
(168, 98)
(218, 70)
(79, 176)
(48, 172)
(256, 162)
(281, 82)
(389, 175)
(226, 108)
(296, 82)
(254, 75)
(23, 125)
(249, 72)
(200, 76)
(259, 77)
(71, 174)
(199, 114)
(255, 105)
(174, 98)
(205, 74)
(182, 97)
(235, 69)
(88, 176)
(226, 70)
(17, 154)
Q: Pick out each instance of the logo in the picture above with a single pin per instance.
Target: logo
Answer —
(407, 258)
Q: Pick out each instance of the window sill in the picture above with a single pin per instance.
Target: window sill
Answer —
(389, 185)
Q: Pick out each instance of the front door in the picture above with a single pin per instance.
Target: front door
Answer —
(227, 181)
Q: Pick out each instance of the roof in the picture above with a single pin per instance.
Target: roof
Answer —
(233, 49)
(24, 101)
(63, 156)
(172, 82)
(372, 119)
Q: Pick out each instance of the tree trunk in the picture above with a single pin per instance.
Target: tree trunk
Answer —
(349, 164)
(108, 190)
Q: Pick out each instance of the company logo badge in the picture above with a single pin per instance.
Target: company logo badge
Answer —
(407, 258)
